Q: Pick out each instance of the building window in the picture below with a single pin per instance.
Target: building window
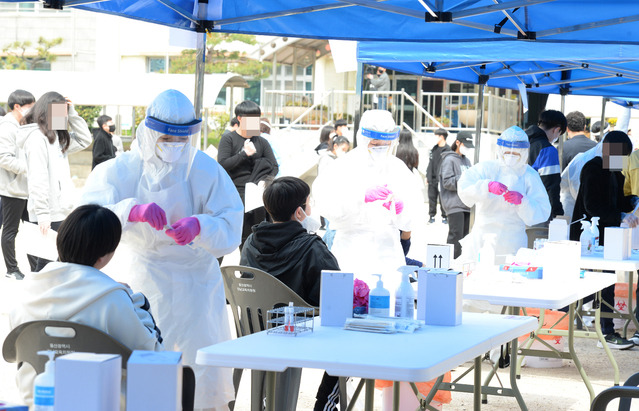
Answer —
(156, 65)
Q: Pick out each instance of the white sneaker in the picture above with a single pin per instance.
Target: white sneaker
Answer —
(635, 338)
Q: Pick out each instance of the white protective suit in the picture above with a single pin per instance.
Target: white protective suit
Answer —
(494, 215)
(82, 294)
(183, 283)
(367, 239)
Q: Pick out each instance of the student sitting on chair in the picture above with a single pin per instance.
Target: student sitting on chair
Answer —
(289, 249)
(74, 288)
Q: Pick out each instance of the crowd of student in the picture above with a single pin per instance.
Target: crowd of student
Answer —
(175, 212)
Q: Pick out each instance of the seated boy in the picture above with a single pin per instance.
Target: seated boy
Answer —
(74, 288)
(289, 250)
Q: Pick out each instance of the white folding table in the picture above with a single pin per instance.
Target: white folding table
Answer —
(421, 356)
(596, 261)
(499, 289)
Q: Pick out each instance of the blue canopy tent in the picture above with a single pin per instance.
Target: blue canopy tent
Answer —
(557, 68)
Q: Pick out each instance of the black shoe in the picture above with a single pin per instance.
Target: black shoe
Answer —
(432, 220)
(616, 342)
(444, 220)
(16, 275)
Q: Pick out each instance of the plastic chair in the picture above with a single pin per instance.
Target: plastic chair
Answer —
(626, 393)
(23, 343)
(251, 293)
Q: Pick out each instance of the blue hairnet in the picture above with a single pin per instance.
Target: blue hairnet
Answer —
(173, 107)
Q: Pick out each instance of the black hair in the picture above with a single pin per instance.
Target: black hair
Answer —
(620, 141)
(340, 123)
(247, 108)
(2, 111)
(441, 132)
(338, 141)
(103, 119)
(265, 127)
(88, 233)
(325, 133)
(453, 147)
(552, 118)
(20, 97)
(283, 195)
(235, 122)
(406, 150)
(576, 121)
(41, 113)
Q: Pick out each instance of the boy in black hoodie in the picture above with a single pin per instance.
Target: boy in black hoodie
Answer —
(289, 250)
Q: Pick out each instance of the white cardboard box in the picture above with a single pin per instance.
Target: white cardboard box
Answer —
(439, 255)
(560, 260)
(617, 243)
(336, 298)
(439, 296)
(88, 382)
(154, 381)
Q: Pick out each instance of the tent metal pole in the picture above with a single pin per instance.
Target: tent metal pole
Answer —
(359, 106)
(275, 88)
(603, 117)
(479, 121)
(560, 146)
(199, 77)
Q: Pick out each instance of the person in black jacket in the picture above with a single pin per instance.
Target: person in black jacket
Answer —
(288, 251)
(247, 158)
(601, 194)
(544, 157)
(103, 148)
(432, 175)
(577, 141)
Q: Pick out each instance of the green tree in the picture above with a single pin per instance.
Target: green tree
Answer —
(220, 60)
(17, 58)
(89, 113)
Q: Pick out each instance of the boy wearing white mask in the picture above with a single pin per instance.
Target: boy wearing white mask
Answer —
(289, 250)
(509, 195)
(544, 157)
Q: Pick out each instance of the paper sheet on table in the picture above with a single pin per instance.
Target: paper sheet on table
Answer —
(253, 196)
(37, 244)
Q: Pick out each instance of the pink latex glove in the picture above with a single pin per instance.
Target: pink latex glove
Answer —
(377, 193)
(497, 188)
(399, 206)
(513, 197)
(184, 230)
(148, 213)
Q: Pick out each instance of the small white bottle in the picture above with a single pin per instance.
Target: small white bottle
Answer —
(594, 229)
(289, 318)
(585, 238)
(44, 385)
(379, 300)
(405, 295)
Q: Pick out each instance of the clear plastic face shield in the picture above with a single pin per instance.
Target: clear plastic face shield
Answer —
(380, 144)
(171, 141)
(512, 147)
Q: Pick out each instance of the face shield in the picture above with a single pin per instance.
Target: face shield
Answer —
(378, 134)
(172, 140)
(512, 148)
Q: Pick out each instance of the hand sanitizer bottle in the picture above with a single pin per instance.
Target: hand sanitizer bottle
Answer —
(594, 229)
(379, 300)
(585, 238)
(405, 295)
(44, 385)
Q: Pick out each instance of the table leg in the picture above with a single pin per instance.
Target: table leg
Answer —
(513, 376)
(571, 348)
(631, 293)
(270, 391)
(597, 303)
(395, 395)
(369, 395)
(477, 390)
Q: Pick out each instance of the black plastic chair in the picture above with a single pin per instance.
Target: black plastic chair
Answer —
(251, 293)
(23, 343)
(626, 393)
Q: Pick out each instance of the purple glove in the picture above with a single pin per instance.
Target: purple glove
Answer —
(148, 213)
(513, 197)
(399, 206)
(377, 193)
(497, 188)
(184, 230)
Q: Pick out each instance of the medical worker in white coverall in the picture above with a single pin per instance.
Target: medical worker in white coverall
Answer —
(508, 194)
(368, 195)
(163, 181)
